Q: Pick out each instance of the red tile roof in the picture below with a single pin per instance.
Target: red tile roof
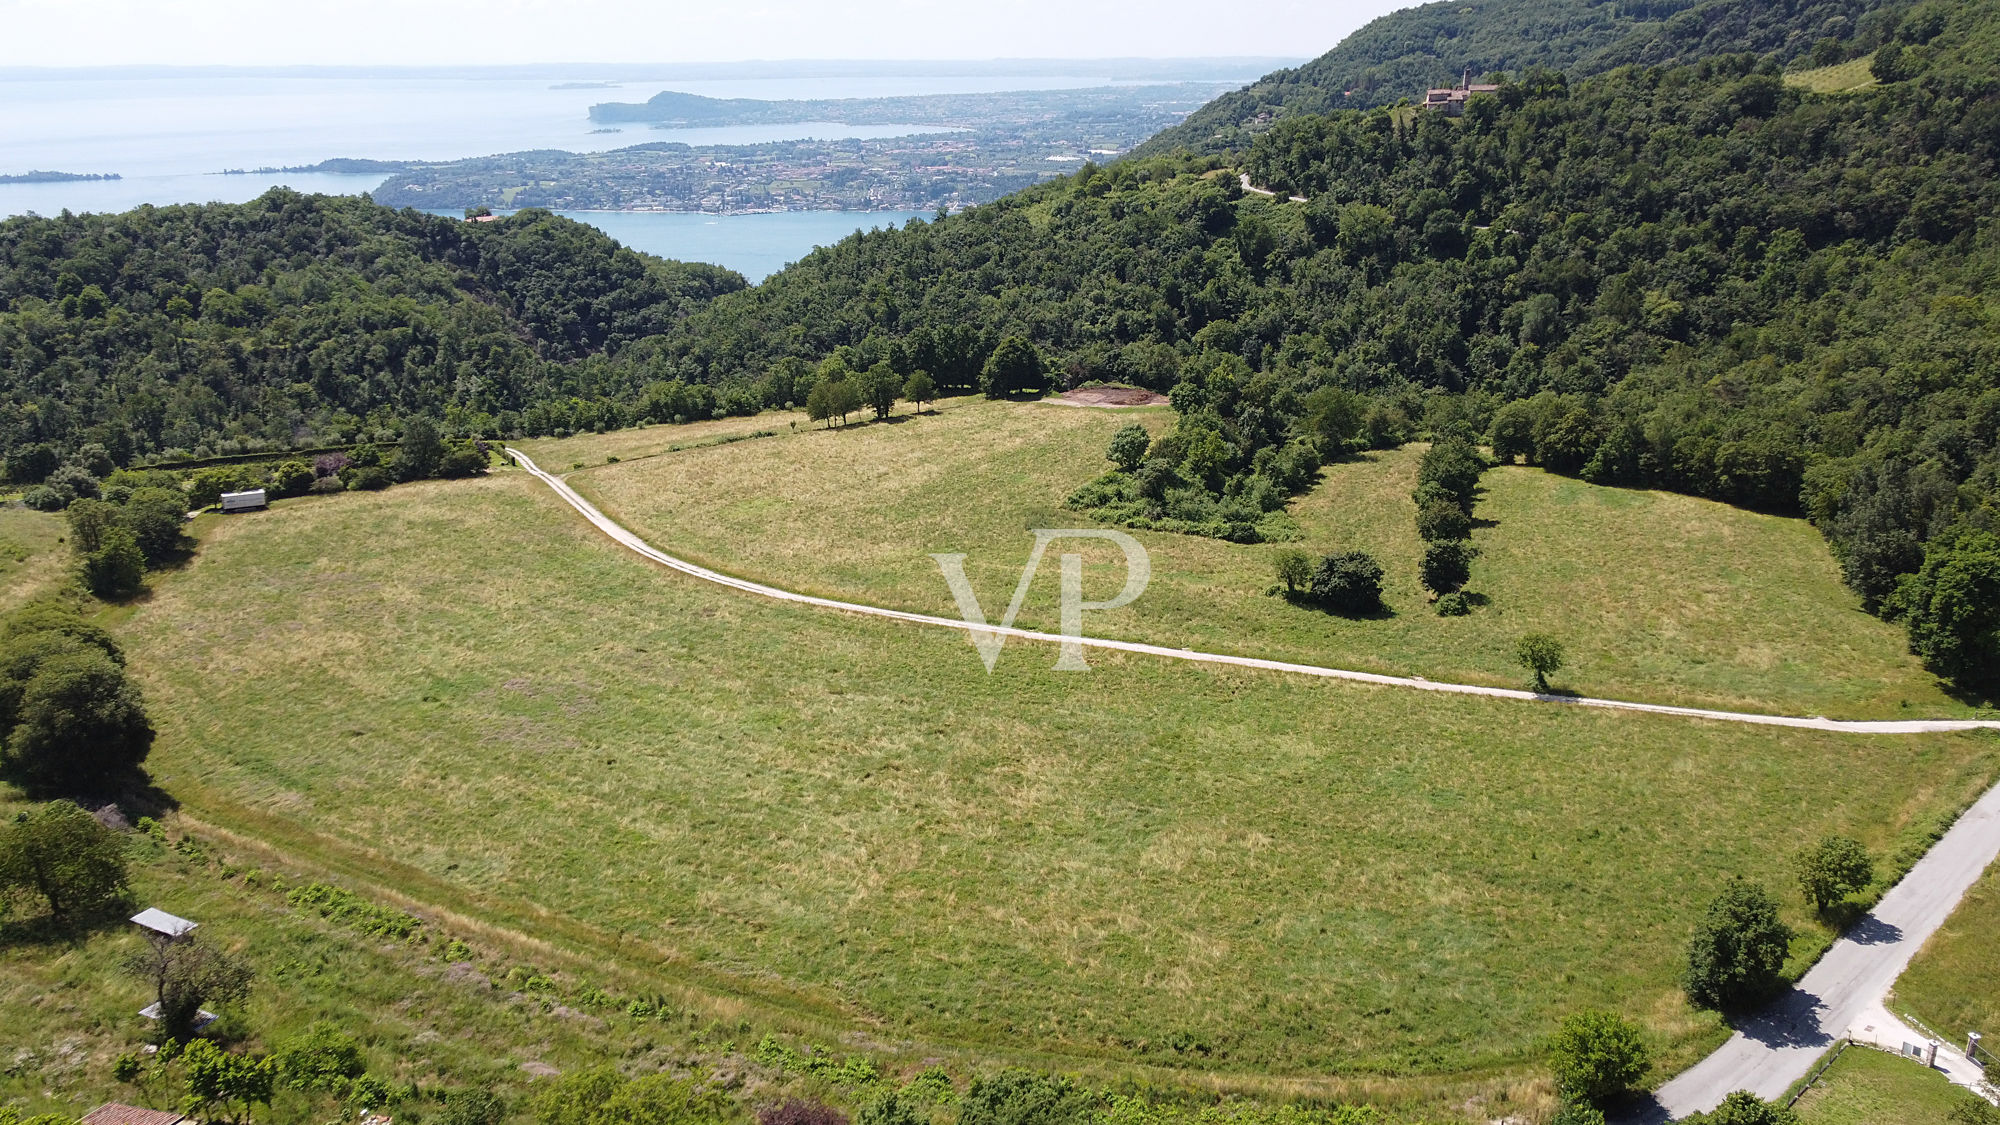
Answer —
(112, 1113)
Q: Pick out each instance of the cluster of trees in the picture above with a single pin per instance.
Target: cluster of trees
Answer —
(1345, 582)
(70, 718)
(1398, 56)
(1447, 488)
(294, 321)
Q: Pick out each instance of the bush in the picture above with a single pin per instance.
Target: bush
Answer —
(1447, 565)
(1738, 951)
(157, 518)
(1019, 1097)
(367, 478)
(63, 855)
(1832, 869)
(42, 498)
(1128, 447)
(1348, 582)
(471, 1107)
(321, 1058)
(1294, 569)
(1453, 605)
(892, 1109)
(117, 568)
(1441, 520)
(1453, 464)
(1597, 1055)
(291, 478)
(1744, 1108)
(75, 480)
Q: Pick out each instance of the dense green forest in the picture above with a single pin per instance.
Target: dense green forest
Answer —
(297, 320)
(1401, 54)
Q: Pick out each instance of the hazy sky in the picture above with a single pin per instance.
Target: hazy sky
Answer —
(275, 32)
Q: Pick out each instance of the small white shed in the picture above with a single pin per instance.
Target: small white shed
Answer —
(162, 924)
(248, 500)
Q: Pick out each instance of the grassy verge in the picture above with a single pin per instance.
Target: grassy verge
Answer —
(1953, 984)
(1870, 1087)
(1658, 597)
(463, 691)
(33, 556)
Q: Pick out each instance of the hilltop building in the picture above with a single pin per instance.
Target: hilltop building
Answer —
(1451, 99)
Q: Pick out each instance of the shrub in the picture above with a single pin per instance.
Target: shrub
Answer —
(42, 498)
(291, 478)
(1443, 520)
(1454, 465)
(64, 856)
(367, 478)
(157, 518)
(1447, 565)
(1453, 605)
(890, 1108)
(321, 1058)
(1128, 447)
(1294, 569)
(75, 480)
(1348, 582)
(1019, 1097)
(1744, 1108)
(1541, 654)
(1597, 1055)
(471, 1107)
(1738, 950)
(1832, 869)
(117, 568)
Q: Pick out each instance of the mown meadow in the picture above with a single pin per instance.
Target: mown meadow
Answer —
(1657, 596)
(460, 690)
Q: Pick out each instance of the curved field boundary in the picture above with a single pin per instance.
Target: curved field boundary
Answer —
(639, 546)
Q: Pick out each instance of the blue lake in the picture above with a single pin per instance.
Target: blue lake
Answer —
(168, 137)
(755, 246)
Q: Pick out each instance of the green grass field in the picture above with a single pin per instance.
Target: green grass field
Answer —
(1848, 77)
(1659, 597)
(1869, 1087)
(32, 554)
(460, 691)
(1953, 984)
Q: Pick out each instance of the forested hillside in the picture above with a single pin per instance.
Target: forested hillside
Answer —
(1402, 54)
(1694, 278)
(293, 319)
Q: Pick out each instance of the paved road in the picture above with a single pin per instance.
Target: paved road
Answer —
(1777, 1048)
(639, 546)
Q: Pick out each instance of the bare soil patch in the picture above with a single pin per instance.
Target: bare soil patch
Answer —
(1109, 396)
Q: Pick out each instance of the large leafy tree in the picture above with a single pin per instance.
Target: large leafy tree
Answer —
(1738, 950)
(62, 855)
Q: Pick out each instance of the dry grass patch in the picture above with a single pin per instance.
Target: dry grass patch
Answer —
(33, 557)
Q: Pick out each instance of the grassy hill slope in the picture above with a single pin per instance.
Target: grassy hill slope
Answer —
(467, 680)
(1661, 597)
